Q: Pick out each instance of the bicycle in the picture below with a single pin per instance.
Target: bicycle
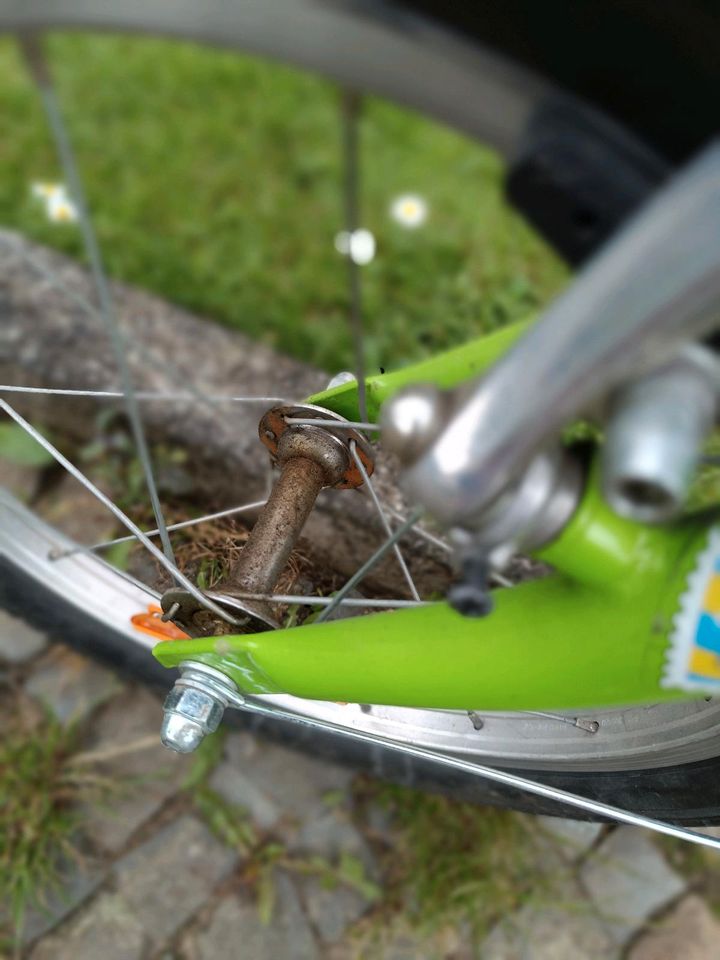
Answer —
(629, 613)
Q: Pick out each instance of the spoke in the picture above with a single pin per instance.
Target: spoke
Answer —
(383, 519)
(114, 509)
(350, 109)
(309, 601)
(35, 57)
(55, 280)
(124, 575)
(331, 424)
(231, 511)
(589, 726)
(495, 775)
(419, 531)
(368, 565)
(139, 394)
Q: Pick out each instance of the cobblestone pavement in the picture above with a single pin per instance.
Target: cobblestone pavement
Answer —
(157, 881)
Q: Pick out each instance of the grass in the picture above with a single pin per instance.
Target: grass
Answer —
(452, 863)
(215, 182)
(261, 853)
(39, 787)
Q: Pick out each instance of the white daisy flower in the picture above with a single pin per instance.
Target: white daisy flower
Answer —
(359, 245)
(58, 205)
(43, 190)
(409, 210)
(61, 209)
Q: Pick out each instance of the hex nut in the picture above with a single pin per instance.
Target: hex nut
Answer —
(180, 734)
(195, 705)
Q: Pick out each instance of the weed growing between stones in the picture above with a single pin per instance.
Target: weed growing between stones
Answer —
(449, 865)
(41, 784)
(262, 853)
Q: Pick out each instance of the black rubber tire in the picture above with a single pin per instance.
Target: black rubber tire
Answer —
(688, 793)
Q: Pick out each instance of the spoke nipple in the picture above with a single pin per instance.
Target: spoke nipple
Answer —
(172, 612)
(476, 720)
(590, 726)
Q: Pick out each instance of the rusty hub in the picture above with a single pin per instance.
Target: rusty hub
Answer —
(309, 457)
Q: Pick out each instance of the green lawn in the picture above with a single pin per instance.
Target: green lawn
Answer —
(215, 181)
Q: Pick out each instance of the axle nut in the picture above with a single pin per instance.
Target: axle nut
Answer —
(190, 714)
(195, 706)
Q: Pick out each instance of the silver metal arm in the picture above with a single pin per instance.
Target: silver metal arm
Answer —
(653, 288)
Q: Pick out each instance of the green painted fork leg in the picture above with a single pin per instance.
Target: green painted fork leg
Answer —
(444, 370)
(594, 634)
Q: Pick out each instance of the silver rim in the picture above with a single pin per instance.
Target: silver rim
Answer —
(421, 67)
(624, 739)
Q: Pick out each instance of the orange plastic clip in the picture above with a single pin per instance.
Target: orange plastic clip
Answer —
(151, 624)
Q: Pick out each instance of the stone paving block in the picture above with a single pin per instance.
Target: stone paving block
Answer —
(107, 929)
(574, 837)
(331, 834)
(566, 929)
(690, 932)
(236, 930)
(167, 879)
(19, 642)
(331, 910)
(146, 777)
(77, 882)
(273, 782)
(629, 880)
(70, 684)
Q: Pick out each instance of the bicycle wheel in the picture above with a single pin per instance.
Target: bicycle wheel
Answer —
(661, 760)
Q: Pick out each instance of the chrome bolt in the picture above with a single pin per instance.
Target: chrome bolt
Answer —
(195, 706)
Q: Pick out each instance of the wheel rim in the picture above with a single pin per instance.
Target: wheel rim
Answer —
(624, 739)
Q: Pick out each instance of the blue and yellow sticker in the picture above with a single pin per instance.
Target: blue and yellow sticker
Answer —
(693, 656)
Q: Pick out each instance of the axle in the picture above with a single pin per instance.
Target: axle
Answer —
(309, 458)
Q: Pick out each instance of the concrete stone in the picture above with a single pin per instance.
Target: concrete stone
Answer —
(70, 685)
(331, 910)
(550, 933)
(574, 837)
(77, 882)
(63, 346)
(146, 776)
(274, 783)
(19, 642)
(331, 834)
(689, 932)
(628, 881)
(236, 930)
(166, 880)
(107, 928)
(557, 923)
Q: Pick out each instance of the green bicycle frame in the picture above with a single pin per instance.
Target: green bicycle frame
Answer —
(598, 632)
